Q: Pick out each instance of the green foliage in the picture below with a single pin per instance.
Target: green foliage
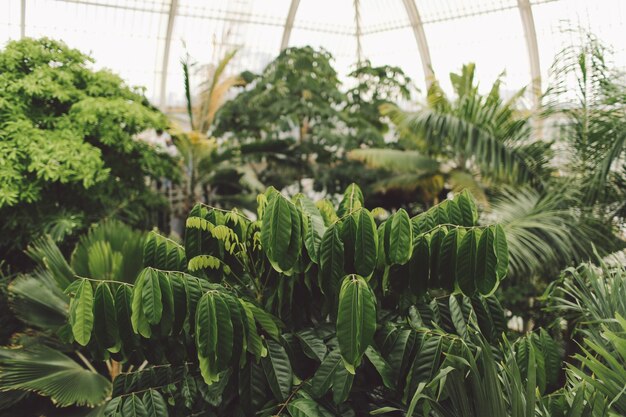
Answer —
(296, 111)
(244, 319)
(69, 156)
(51, 373)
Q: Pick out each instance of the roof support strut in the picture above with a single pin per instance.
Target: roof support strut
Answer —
(23, 19)
(166, 52)
(291, 15)
(528, 23)
(420, 38)
(358, 33)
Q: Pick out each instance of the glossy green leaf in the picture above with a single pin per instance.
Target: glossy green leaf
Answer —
(366, 244)
(323, 378)
(448, 258)
(331, 259)
(278, 370)
(276, 231)
(382, 367)
(154, 403)
(356, 320)
(314, 227)
(466, 262)
(468, 208)
(400, 238)
(502, 251)
(134, 407)
(105, 321)
(419, 266)
(305, 407)
(342, 384)
(81, 312)
(151, 296)
(436, 239)
(352, 200)
(487, 263)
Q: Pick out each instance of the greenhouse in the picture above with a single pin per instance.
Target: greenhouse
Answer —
(312, 208)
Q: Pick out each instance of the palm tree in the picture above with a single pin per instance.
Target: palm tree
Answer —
(471, 142)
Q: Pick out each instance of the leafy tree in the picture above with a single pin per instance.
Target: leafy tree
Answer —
(311, 307)
(295, 100)
(468, 142)
(68, 153)
(297, 107)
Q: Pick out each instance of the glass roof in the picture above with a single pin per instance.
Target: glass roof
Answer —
(144, 40)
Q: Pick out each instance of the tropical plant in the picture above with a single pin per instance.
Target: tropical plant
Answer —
(467, 142)
(44, 360)
(212, 172)
(69, 157)
(295, 102)
(311, 310)
(592, 127)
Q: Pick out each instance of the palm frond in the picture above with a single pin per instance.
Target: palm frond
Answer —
(187, 83)
(110, 250)
(470, 140)
(48, 256)
(592, 295)
(37, 300)
(545, 231)
(398, 161)
(51, 373)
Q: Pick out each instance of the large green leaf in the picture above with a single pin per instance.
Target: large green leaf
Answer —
(352, 200)
(278, 370)
(305, 407)
(502, 251)
(419, 266)
(331, 259)
(467, 206)
(356, 320)
(50, 373)
(134, 407)
(436, 240)
(323, 378)
(277, 232)
(466, 262)
(400, 246)
(154, 403)
(81, 312)
(487, 263)
(366, 245)
(105, 320)
(151, 301)
(448, 258)
(314, 227)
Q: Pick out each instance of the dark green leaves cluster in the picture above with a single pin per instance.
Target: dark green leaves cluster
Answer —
(287, 309)
(69, 131)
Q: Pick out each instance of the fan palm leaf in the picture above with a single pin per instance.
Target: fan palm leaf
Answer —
(545, 231)
(50, 373)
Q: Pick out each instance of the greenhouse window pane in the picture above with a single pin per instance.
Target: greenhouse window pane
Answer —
(10, 18)
(494, 42)
(126, 39)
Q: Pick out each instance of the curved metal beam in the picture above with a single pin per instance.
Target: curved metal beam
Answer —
(420, 38)
(357, 32)
(166, 51)
(528, 22)
(293, 8)
(23, 19)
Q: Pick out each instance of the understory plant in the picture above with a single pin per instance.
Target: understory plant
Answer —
(309, 310)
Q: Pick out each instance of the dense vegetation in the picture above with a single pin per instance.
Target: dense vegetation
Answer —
(66, 140)
(459, 259)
